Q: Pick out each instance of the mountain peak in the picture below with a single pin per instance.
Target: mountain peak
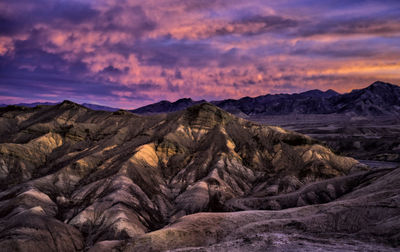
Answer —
(378, 87)
(205, 115)
(166, 106)
(203, 107)
(67, 104)
(206, 107)
(381, 84)
(319, 93)
(331, 92)
(184, 100)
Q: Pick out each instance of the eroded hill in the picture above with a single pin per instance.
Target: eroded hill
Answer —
(102, 180)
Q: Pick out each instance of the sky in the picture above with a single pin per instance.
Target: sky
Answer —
(129, 53)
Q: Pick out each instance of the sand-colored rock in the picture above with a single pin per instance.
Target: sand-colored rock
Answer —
(115, 180)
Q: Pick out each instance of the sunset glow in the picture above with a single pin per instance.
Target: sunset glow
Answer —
(131, 53)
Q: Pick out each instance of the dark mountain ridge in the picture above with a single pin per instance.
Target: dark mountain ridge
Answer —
(377, 99)
(380, 98)
(87, 105)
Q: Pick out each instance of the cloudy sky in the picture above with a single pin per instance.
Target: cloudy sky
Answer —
(129, 53)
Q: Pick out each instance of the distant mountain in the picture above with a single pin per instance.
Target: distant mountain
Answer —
(318, 93)
(166, 106)
(310, 102)
(380, 98)
(87, 105)
(31, 105)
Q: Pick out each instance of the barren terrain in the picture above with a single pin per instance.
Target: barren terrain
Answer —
(201, 179)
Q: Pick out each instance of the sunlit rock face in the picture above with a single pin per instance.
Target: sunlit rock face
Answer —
(116, 180)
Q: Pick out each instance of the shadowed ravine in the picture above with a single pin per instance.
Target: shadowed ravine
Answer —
(201, 179)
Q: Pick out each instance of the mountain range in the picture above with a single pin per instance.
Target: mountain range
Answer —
(200, 179)
(87, 105)
(377, 99)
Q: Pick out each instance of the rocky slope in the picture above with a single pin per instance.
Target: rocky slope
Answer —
(74, 179)
(362, 220)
